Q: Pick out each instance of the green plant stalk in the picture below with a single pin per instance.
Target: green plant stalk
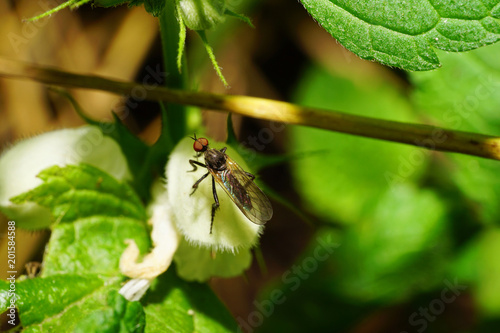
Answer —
(171, 35)
(425, 136)
(70, 3)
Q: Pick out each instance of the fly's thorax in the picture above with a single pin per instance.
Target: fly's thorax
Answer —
(215, 159)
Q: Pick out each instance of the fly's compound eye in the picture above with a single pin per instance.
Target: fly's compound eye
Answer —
(200, 144)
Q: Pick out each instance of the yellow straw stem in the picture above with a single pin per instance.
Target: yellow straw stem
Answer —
(425, 136)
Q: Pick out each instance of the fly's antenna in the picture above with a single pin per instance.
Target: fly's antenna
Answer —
(194, 137)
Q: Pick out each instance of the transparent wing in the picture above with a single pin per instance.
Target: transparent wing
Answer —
(245, 194)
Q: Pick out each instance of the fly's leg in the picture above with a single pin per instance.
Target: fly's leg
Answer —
(215, 204)
(195, 185)
(194, 164)
(252, 177)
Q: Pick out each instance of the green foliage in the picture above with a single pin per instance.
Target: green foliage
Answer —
(59, 302)
(75, 192)
(202, 14)
(77, 290)
(52, 294)
(413, 224)
(405, 33)
(173, 305)
(88, 206)
(400, 244)
(119, 316)
(95, 214)
(463, 96)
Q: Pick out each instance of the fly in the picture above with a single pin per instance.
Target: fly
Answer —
(237, 183)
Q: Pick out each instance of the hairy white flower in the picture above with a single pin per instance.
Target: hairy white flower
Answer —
(20, 165)
(196, 263)
(231, 231)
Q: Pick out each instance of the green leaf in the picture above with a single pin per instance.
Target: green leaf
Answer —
(92, 244)
(42, 301)
(175, 306)
(405, 33)
(119, 316)
(463, 96)
(239, 16)
(75, 312)
(231, 135)
(351, 172)
(182, 39)
(165, 143)
(202, 14)
(96, 214)
(399, 244)
(136, 152)
(73, 192)
(78, 286)
(211, 55)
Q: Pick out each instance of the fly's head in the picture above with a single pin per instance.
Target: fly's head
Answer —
(215, 159)
(200, 145)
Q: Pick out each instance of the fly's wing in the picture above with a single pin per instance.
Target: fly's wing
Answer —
(245, 194)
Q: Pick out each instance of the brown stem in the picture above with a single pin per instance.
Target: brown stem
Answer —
(425, 136)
